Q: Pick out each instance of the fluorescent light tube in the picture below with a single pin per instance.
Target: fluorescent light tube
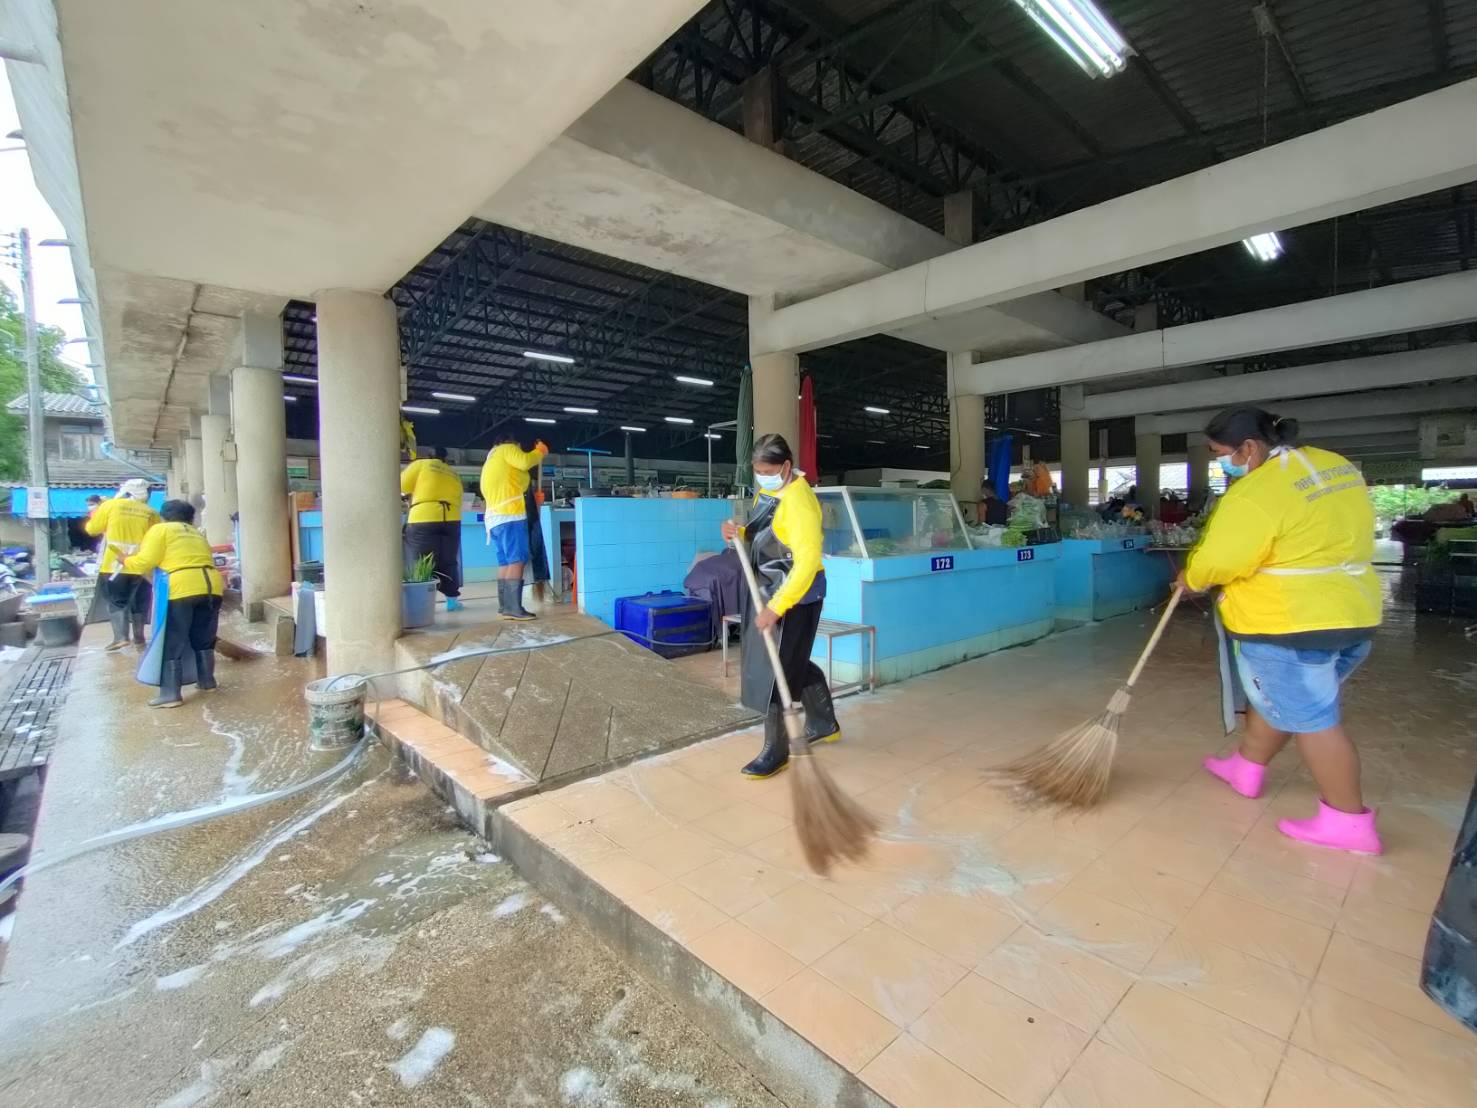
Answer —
(712, 436)
(879, 411)
(538, 419)
(700, 381)
(1082, 32)
(1266, 247)
(538, 357)
(583, 411)
(295, 379)
(419, 410)
(638, 430)
(463, 397)
(677, 419)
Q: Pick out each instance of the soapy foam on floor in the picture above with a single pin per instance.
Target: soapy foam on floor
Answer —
(182, 979)
(434, 1045)
(510, 905)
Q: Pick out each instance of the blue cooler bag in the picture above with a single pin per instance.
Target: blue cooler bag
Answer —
(667, 622)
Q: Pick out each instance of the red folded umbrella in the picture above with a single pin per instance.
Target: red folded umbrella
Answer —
(809, 464)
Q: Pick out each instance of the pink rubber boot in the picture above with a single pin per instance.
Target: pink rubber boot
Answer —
(1351, 831)
(1243, 776)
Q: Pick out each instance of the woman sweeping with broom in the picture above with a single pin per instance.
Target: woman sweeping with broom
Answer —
(1290, 546)
(784, 539)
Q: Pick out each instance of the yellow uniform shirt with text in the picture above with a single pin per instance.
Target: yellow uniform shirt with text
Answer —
(122, 520)
(434, 489)
(183, 553)
(505, 479)
(1305, 516)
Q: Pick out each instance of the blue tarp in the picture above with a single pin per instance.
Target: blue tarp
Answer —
(72, 503)
(998, 450)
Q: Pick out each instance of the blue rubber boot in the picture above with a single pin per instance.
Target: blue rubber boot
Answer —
(453, 604)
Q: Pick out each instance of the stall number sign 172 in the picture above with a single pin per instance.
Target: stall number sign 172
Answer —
(945, 561)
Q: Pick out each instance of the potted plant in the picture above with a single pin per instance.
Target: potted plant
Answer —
(418, 595)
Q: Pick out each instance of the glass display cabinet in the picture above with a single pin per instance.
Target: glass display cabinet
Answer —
(884, 523)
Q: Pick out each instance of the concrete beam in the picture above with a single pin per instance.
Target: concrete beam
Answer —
(1397, 152)
(1412, 367)
(1391, 309)
(1382, 403)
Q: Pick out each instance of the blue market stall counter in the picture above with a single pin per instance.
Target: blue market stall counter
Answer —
(1101, 578)
(902, 561)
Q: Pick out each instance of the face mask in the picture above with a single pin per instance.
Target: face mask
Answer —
(1230, 468)
(770, 482)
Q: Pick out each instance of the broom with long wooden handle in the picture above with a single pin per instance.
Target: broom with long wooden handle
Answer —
(829, 824)
(1073, 768)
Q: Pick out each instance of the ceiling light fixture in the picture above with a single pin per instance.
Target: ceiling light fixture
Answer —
(290, 399)
(419, 409)
(1266, 247)
(463, 397)
(1083, 33)
(710, 435)
(637, 430)
(539, 419)
(677, 419)
(538, 357)
(582, 411)
(876, 442)
(298, 379)
(879, 411)
(701, 382)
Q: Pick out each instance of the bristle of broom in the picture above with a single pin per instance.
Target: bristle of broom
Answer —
(539, 589)
(1073, 769)
(830, 825)
(236, 651)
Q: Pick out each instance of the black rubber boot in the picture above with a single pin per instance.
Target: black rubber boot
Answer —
(510, 601)
(205, 670)
(119, 619)
(776, 753)
(137, 619)
(169, 683)
(820, 713)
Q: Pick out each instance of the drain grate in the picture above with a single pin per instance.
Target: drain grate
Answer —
(27, 731)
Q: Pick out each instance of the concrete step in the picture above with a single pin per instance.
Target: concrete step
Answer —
(473, 781)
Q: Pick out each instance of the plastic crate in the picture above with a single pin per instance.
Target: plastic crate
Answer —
(668, 623)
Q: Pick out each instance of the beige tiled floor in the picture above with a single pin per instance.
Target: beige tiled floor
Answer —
(1167, 950)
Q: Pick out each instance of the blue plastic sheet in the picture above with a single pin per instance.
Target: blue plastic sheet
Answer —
(151, 665)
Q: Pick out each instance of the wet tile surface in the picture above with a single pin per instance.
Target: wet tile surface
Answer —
(1168, 950)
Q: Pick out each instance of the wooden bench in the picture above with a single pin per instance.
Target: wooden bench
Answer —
(830, 630)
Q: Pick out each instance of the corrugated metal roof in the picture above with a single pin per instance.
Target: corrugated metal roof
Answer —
(60, 403)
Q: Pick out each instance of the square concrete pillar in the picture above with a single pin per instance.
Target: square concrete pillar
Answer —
(1076, 445)
(966, 438)
(1198, 460)
(1148, 455)
(359, 448)
(776, 385)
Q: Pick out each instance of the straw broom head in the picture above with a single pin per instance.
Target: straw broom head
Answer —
(1073, 769)
(829, 824)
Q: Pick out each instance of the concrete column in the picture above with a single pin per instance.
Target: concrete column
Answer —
(1198, 459)
(762, 121)
(261, 464)
(358, 444)
(219, 503)
(776, 385)
(959, 217)
(966, 438)
(1102, 466)
(1076, 446)
(173, 488)
(1148, 454)
(194, 469)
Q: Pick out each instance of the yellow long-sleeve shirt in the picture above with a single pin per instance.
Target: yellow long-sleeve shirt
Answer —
(1275, 525)
(797, 524)
(505, 479)
(122, 520)
(183, 553)
(434, 489)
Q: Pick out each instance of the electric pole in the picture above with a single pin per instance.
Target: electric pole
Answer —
(41, 534)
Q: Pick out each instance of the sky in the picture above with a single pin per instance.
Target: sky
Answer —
(22, 206)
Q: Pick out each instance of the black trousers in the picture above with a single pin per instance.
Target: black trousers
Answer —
(795, 636)
(443, 541)
(128, 592)
(190, 625)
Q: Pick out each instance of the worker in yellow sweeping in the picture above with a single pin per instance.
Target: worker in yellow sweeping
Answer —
(434, 523)
(784, 536)
(504, 482)
(183, 554)
(122, 522)
(1290, 547)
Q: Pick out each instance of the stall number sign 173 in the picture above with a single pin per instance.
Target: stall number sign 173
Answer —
(945, 561)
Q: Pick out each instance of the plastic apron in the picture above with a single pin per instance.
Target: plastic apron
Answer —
(151, 666)
(772, 563)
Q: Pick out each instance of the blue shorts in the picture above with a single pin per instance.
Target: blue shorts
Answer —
(1296, 690)
(510, 542)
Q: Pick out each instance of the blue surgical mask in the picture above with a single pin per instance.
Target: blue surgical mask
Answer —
(770, 482)
(1232, 469)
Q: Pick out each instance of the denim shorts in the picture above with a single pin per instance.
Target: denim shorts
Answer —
(510, 542)
(1296, 690)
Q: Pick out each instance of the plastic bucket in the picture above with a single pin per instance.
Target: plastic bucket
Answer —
(58, 629)
(418, 603)
(335, 711)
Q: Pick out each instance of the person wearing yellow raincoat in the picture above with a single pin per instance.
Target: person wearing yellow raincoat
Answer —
(195, 592)
(784, 536)
(505, 481)
(122, 522)
(434, 523)
(1290, 547)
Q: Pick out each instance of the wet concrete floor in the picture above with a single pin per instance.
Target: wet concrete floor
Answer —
(351, 945)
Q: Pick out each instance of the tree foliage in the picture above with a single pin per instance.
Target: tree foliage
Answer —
(1392, 502)
(56, 376)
